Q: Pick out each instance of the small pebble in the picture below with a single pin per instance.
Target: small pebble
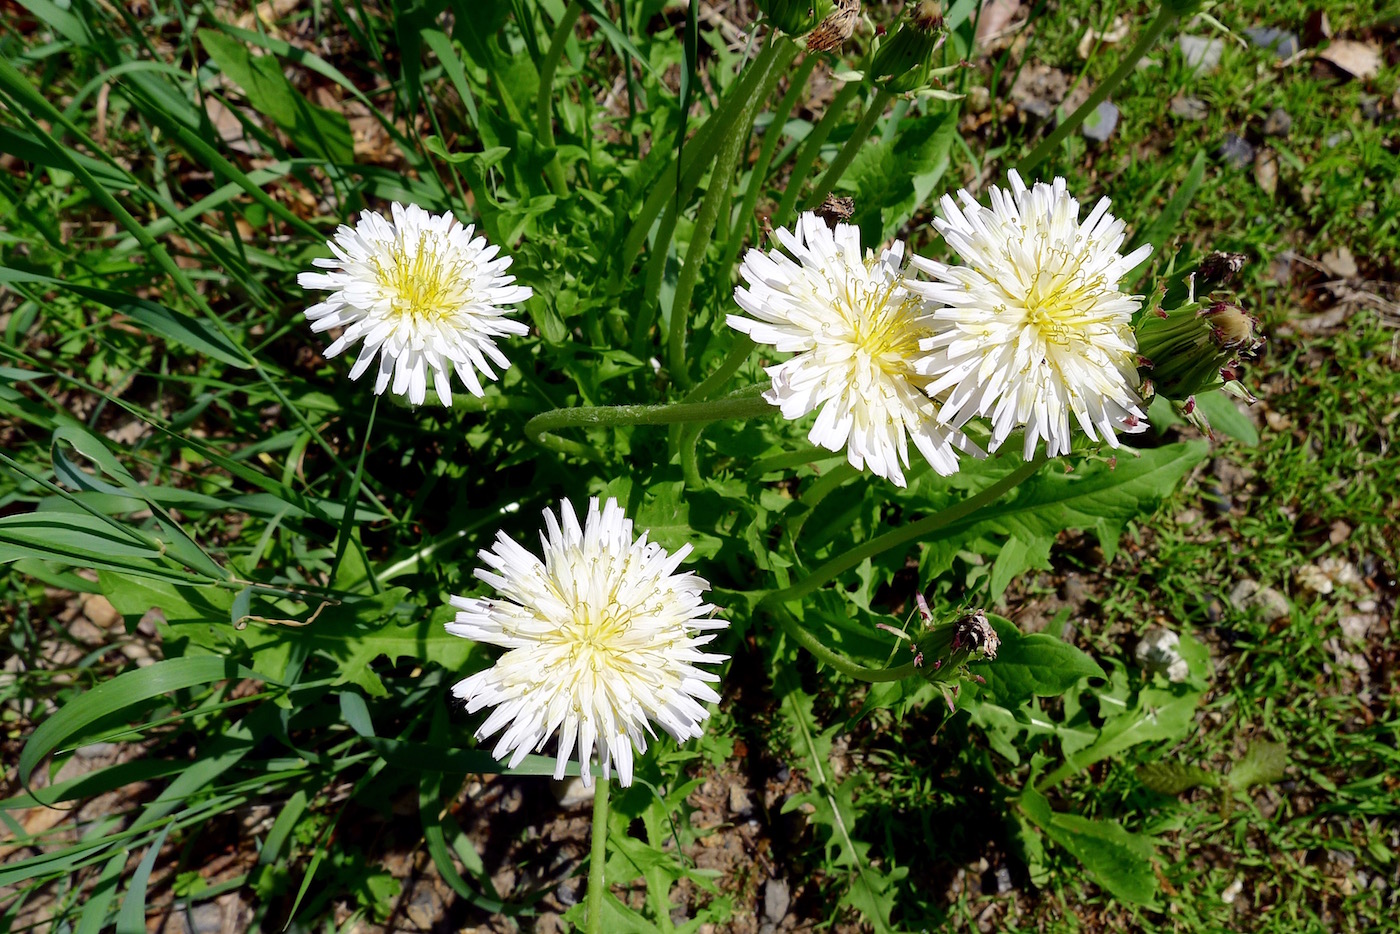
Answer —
(1200, 53)
(1278, 123)
(777, 896)
(1236, 151)
(571, 793)
(1283, 42)
(1189, 108)
(1157, 652)
(739, 803)
(1247, 595)
(1232, 891)
(1100, 124)
(1340, 263)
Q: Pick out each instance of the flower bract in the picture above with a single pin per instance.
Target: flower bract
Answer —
(1032, 328)
(422, 295)
(603, 636)
(855, 330)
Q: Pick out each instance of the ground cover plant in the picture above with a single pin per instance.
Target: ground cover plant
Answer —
(910, 559)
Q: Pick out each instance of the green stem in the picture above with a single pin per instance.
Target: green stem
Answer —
(771, 138)
(699, 152)
(811, 147)
(544, 112)
(1165, 17)
(859, 137)
(842, 663)
(744, 404)
(739, 352)
(347, 518)
(721, 178)
(905, 534)
(598, 858)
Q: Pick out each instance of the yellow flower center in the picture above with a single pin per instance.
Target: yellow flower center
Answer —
(1061, 303)
(880, 322)
(419, 281)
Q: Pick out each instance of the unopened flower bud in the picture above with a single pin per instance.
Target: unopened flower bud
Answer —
(1235, 329)
(1192, 349)
(904, 61)
(795, 17)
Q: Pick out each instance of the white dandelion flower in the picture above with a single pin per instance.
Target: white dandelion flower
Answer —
(1033, 327)
(855, 329)
(602, 637)
(423, 295)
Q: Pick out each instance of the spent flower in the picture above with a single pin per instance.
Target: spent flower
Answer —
(855, 329)
(421, 294)
(1032, 328)
(603, 636)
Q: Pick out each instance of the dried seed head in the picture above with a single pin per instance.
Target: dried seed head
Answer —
(1219, 269)
(836, 210)
(975, 634)
(836, 28)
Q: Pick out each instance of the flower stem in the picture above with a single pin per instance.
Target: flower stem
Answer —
(352, 496)
(671, 187)
(721, 177)
(771, 137)
(738, 352)
(1165, 17)
(743, 404)
(811, 146)
(859, 137)
(902, 536)
(829, 656)
(544, 112)
(597, 858)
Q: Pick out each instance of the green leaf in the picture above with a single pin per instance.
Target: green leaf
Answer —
(833, 806)
(131, 917)
(1038, 665)
(1222, 413)
(316, 131)
(616, 917)
(164, 322)
(891, 179)
(79, 537)
(1158, 232)
(1095, 496)
(665, 512)
(126, 690)
(1158, 714)
(1264, 763)
(1173, 778)
(1119, 861)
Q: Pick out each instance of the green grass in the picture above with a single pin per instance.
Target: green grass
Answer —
(242, 447)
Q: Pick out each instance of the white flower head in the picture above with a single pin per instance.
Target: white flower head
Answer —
(855, 329)
(1033, 327)
(602, 637)
(423, 295)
